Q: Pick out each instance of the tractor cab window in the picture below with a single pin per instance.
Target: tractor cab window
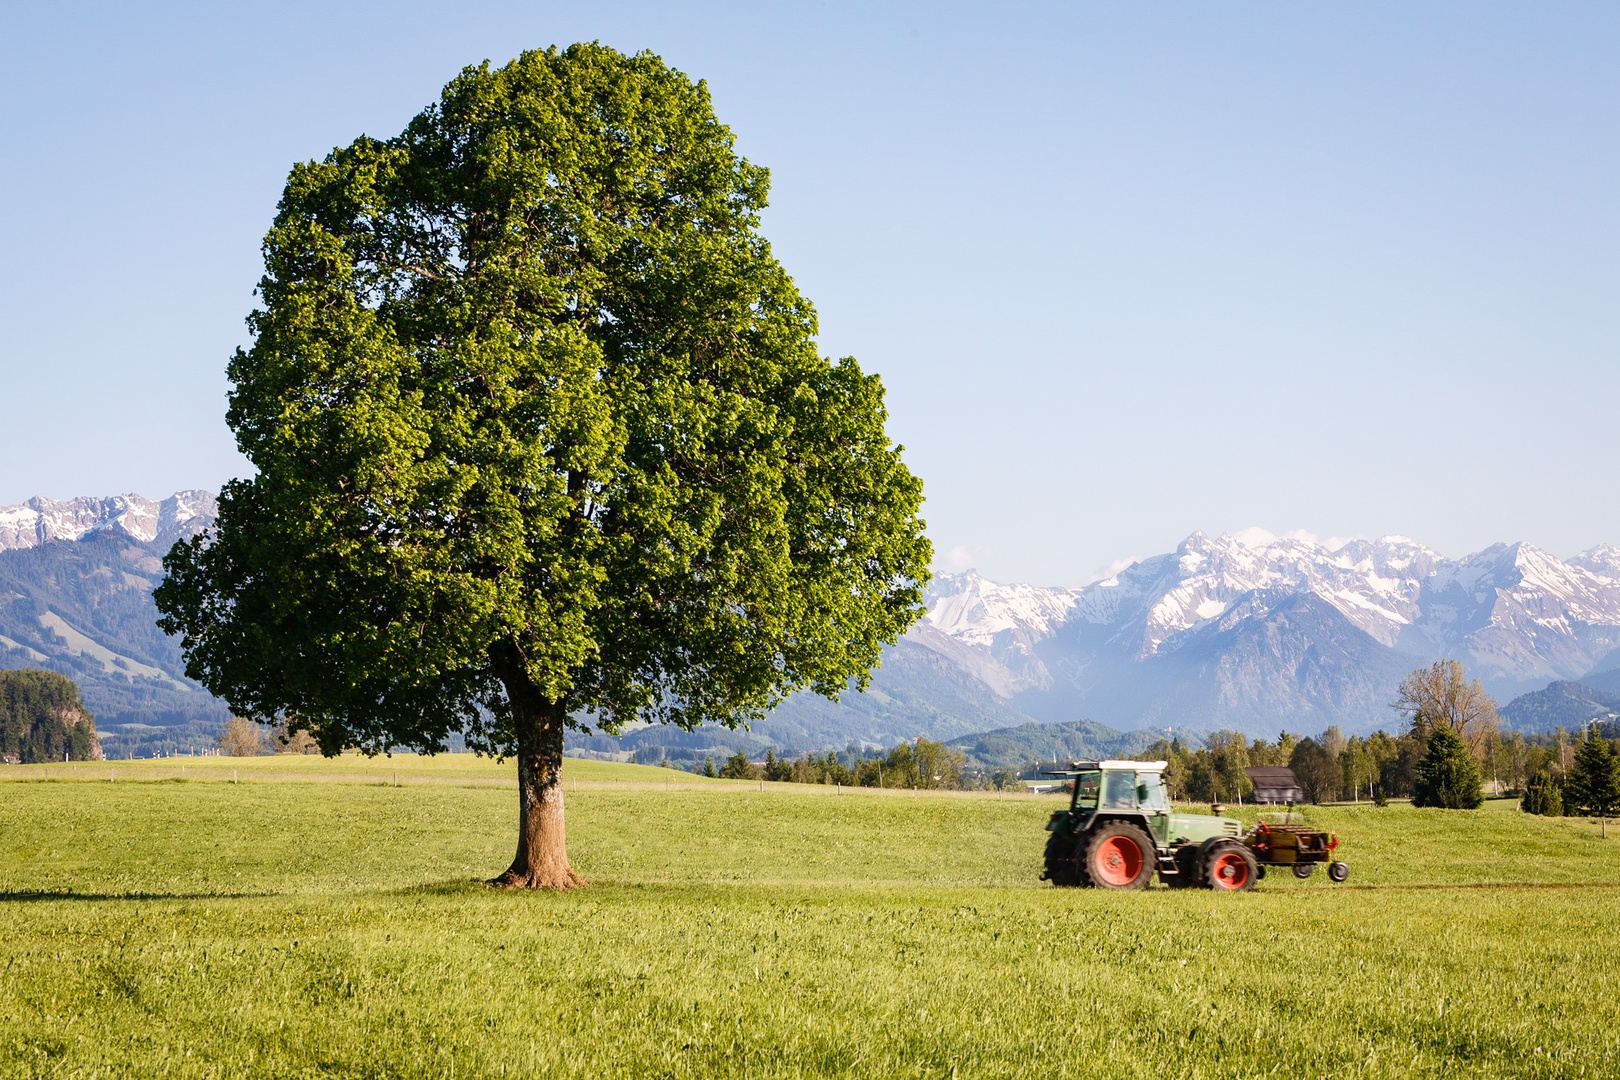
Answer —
(1119, 791)
(1150, 792)
(1085, 790)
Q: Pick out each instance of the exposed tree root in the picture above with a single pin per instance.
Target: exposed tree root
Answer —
(512, 879)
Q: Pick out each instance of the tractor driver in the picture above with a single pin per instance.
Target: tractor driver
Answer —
(1119, 790)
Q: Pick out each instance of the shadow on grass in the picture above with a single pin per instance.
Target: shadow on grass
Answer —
(452, 887)
(34, 896)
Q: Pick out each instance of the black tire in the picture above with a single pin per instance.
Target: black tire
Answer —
(1109, 861)
(1230, 867)
(1062, 861)
(1338, 871)
(1304, 869)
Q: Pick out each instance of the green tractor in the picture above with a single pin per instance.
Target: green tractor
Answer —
(1119, 829)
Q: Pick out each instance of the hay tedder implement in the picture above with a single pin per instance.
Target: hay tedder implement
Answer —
(1119, 830)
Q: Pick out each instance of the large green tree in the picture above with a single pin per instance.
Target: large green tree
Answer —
(1593, 785)
(1447, 776)
(543, 438)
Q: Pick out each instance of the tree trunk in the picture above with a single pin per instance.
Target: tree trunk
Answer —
(541, 861)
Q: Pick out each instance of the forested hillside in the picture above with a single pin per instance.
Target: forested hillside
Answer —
(42, 720)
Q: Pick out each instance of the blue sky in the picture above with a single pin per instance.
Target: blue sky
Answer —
(1127, 270)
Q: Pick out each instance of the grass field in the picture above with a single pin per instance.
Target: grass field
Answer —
(316, 920)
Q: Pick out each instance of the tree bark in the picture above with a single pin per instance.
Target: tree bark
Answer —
(541, 861)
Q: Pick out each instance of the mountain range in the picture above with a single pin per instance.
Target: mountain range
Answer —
(1254, 633)
(1244, 631)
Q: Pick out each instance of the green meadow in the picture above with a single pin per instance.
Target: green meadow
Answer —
(327, 918)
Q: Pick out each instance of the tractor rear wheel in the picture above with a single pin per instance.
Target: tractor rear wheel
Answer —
(1230, 867)
(1062, 861)
(1119, 856)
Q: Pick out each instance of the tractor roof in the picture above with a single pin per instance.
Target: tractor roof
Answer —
(1139, 766)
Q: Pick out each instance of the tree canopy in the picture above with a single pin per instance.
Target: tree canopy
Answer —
(1439, 696)
(543, 437)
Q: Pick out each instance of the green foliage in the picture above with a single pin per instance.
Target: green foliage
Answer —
(1541, 796)
(738, 767)
(1005, 780)
(42, 719)
(920, 763)
(535, 412)
(708, 767)
(777, 769)
(1593, 785)
(1316, 770)
(825, 769)
(1447, 776)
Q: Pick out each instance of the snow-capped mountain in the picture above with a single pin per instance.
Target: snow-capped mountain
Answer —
(1243, 627)
(1375, 584)
(41, 520)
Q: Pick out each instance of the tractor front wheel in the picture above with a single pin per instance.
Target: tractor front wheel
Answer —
(1230, 868)
(1119, 856)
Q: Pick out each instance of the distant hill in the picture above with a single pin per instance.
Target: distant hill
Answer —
(1562, 704)
(1607, 681)
(1015, 747)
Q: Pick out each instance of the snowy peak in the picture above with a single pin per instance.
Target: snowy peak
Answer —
(1603, 560)
(1374, 583)
(973, 610)
(1522, 613)
(41, 520)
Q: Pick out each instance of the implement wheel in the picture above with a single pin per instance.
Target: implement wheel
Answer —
(1230, 868)
(1304, 869)
(1119, 856)
(1062, 861)
(1338, 871)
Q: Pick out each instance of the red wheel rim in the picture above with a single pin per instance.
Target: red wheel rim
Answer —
(1118, 861)
(1229, 871)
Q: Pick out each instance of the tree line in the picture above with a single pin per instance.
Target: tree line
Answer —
(917, 764)
(1451, 745)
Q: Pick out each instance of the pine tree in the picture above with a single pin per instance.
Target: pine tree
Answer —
(1593, 784)
(738, 767)
(1541, 796)
(1447, 777)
